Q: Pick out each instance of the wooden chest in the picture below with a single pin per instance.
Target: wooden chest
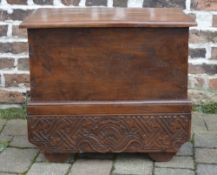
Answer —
(108, 80)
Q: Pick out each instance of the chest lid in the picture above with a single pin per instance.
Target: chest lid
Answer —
(107, 17)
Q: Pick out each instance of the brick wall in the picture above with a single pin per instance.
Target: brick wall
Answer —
(14, 74)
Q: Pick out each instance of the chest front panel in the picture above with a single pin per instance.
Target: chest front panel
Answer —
(94, 64)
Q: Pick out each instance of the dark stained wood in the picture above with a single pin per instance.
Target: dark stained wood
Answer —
(157, 132)
(108, 17)
(161, 157)
(108, 80)
(112, 107)
(103, 64)
(57, 157)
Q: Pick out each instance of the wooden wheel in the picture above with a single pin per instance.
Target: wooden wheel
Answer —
(161, 157)
(57, 157)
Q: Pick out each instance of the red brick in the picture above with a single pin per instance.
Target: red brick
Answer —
(195, 69)
(120, 3)
(3, 30)
(17, 1)
(16, 47)
(23, 64)
(197, 36)
(197, 53)
(96, 3)
(214, 22)
(210, 69)
(43, 2)
(6, 63)
(71, 2)
(3, 15)
(19, 14)
(16, 80)
(16, 31)
(11, 97)
(204, 4)
(213, 84)
(214, 53)
(164, 3)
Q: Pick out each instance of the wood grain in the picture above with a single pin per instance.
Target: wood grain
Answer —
(108, 64)
(107, 17)
(108, 107)
(108, 80)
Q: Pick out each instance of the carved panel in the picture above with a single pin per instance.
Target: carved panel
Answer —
(114, 133)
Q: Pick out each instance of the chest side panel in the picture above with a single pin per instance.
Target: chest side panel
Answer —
(87, 64)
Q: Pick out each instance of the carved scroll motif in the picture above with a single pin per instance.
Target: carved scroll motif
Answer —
(114, 133)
